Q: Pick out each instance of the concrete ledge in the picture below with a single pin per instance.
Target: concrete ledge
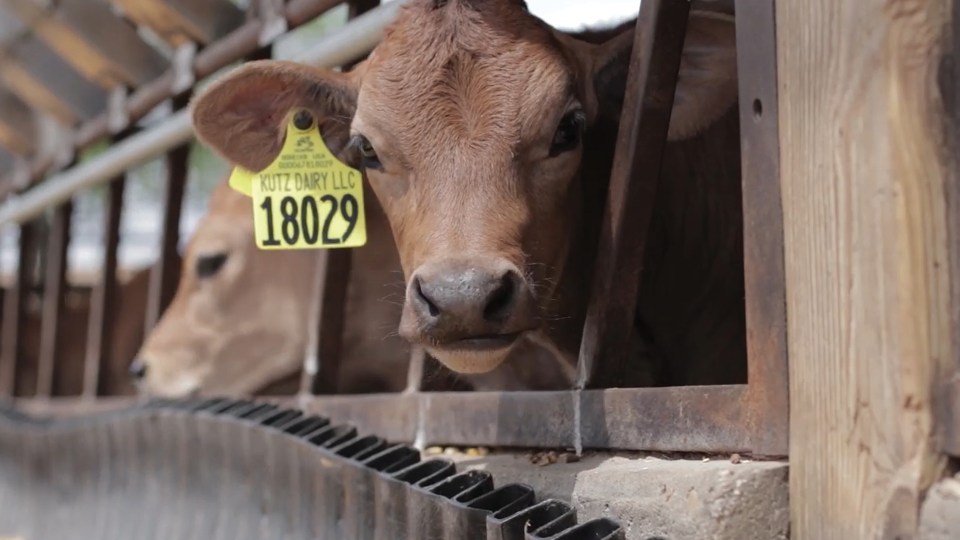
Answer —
(651, 497)
(940, 513)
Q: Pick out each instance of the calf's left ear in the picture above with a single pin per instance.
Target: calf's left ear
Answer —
(243, 115)
(706, 82)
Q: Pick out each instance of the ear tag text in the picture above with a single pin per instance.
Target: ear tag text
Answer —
(306, 198)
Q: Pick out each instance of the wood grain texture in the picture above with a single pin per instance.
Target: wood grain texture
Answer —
(863, 165)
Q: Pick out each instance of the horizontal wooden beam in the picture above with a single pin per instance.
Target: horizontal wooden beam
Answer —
(44, 80)
(89, 36)
(181, 21)
(17, 127)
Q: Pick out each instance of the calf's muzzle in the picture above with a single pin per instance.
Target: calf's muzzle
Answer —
(467, 304)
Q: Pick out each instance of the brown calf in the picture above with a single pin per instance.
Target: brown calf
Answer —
(487, 137)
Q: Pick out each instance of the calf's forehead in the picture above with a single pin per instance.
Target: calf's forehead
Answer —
(476, 80)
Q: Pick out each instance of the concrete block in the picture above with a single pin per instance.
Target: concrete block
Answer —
(940, 513)
(664, 498)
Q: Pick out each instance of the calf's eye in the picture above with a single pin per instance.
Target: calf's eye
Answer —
(567, 136)
(208, 265)
(368, 156)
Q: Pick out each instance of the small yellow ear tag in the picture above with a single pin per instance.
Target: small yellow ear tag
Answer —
(306, 198)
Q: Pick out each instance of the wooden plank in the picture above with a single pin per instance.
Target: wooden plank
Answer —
(863, 172)
(102, 313)
(13, 312)
(949, 419)
(17, 128)
(41, 78)
(51, 379)
(181, 21)
(101, 46)
(652, 76)
(765, 284)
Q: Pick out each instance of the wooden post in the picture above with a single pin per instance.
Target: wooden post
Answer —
(864, 165)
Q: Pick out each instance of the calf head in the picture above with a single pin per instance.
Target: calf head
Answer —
(471, 120)
(237, 320)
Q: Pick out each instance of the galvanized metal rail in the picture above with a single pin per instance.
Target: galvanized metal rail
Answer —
(236, 469)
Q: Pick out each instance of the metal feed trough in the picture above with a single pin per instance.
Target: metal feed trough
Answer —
(238, 469)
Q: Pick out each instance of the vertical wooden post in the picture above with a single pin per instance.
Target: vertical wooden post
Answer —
(53, 292)
(864, 166)
(949, 418)
(102, 315)
(13, 316)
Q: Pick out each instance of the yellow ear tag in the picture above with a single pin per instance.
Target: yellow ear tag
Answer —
(306, 198)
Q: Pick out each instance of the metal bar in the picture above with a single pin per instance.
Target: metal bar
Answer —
(335, 279)
(335, 274)
(652, 79)
(166, 273)
(53, 292)
(339, 47)
(102, 312)
(682, 419)
(764, 277)
(13, 315)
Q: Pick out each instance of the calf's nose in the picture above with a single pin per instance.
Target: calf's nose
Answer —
(471, 298)
(138, 369)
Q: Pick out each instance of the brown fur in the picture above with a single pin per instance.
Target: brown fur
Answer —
(244, 329)
(461, 103)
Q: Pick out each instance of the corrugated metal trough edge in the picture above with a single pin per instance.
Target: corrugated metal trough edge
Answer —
(461, 503)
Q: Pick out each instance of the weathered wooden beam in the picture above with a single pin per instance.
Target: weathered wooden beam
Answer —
(89, 36)
(17, 128)
(181, 21)
(864, 170)
(44, 80)
(949, 399)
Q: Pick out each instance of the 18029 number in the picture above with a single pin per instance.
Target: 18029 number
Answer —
(303, 218)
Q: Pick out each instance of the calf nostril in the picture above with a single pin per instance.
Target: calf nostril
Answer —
(138, 369)
(500, 300)
(431, 307)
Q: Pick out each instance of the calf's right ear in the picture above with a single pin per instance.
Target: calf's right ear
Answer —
(243, 115)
